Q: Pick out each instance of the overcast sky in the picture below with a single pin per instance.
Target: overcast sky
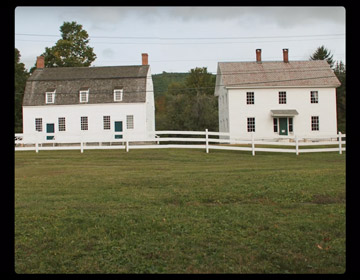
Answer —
(178, 39)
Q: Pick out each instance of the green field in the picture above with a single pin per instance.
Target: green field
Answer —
(179, 211)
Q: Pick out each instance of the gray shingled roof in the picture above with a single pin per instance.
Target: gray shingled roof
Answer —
(315, 73)
(101, 81)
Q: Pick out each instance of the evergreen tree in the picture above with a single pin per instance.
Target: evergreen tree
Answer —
(21, 76)
(322, 53)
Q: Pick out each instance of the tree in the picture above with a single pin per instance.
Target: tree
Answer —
(340, 72)
(322, 53)
(21, 76)
(72, 49)
(192, 104)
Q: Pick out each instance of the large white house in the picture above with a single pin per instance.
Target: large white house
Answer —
(275, 99)
(89, 103)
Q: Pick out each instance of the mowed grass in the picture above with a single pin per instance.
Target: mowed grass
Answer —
(179, 211)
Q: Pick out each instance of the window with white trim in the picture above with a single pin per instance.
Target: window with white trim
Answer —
(130, 121)
(250, 98)
(282, 97)
(314, 97)
(38, 124)
(291, 125)
(106, 120)
(275, 124)
(84, 96)
(61, 122)
(50, 97)
(84, 123)
(315, 123)
(118, 94)
(251, 124)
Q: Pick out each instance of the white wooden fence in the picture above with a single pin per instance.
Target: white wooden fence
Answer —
(207, 140)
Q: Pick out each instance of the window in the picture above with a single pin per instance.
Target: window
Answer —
(50, 97)
(275, 125)
(314, 97)
(251, 124)
(84, 123)
(130, 121)
(291, 126)
(250, 98)
(84, 96)
(61, 124)
(282, 97)
(106, 122)
(38, 124)
(315, 123)
(118, 94)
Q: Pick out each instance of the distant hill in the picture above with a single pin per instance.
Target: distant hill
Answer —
(162, 81)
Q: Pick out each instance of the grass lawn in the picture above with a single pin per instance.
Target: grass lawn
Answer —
(179, 211)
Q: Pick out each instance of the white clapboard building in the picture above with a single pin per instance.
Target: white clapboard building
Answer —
(65, 104)
(275, 99)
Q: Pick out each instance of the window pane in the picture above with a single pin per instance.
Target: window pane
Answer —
(84, 123)
(130, 122)
(62, 124)
(275, 125)
(250, 98)
(106, 122)
(314, 123)
(38, 124)
(291, 127)
(282, 97)
(314, 97)
(251, 124)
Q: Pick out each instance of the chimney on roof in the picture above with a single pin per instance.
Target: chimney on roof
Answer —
(40, 62)
(286, 55)
(144, 58)
(258, 55)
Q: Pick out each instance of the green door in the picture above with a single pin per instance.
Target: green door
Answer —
(50, 128)
(283, 124)
(118, 128)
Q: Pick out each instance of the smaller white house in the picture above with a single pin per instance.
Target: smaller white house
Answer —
(274, 99)
(101, 104)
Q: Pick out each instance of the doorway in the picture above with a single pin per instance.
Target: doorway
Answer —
(118, 126)
(283, 125)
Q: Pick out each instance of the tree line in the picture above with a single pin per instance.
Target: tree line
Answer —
(183, 101)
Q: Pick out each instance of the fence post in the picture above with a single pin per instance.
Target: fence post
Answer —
(297, 145)
(252, 144)
(81, 147)
(127, 145)
(340, 146)
(37, 147)
(206, 140)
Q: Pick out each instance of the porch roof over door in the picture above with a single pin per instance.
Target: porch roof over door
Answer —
(284, 113)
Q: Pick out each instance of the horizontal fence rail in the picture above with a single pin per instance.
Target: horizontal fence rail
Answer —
(205, 140)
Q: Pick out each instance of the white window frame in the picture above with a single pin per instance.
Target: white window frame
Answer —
(81, 93)
(118, 95)
(129, 121)
(50, 97)
(250, 98)
(106, 122)
(38, 124)
(251, 124)
(315, 123)
(282, 97)
(84, 123)
(314, 97)
(61, 124)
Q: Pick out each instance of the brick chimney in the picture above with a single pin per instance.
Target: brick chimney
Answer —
(144, 58)
(258, 55)
(40, 62)
(286, 55)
